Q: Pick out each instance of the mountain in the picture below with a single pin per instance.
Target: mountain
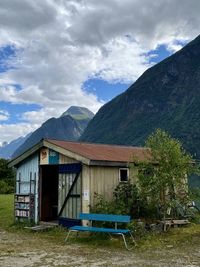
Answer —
(8, 149)
(166, 96)
(69, 126)
(79, 113)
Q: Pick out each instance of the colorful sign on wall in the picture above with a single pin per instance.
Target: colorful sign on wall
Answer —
(53, 157)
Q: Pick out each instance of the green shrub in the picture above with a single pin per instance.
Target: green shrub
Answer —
(5, 188)
(103, 206)
(126, 198)
(137, 228)
(125, 201)
(6, 178)
(195, 218)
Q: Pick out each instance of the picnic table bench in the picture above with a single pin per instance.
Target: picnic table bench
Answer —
(175, 223)
(103, 218)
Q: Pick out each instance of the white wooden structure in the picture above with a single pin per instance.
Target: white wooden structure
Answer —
(56, 180)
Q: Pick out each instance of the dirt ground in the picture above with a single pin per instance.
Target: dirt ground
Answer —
(27, 250)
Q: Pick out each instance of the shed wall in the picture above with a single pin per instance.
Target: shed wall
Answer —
(103, 180)
(86, 188)
(64, 160)
(46, 159)
(26, 170)
(100, 179)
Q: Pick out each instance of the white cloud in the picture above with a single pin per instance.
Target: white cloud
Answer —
(123, 60)
(10, 132)
(174, 46)
(60, 44)
(149, 22)
(4, 115)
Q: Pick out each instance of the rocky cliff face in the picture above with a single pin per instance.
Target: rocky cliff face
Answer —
(166, 96)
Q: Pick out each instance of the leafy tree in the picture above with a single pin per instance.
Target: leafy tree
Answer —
(163, 179)
(124, 201)
(6, 177)
(125, 197)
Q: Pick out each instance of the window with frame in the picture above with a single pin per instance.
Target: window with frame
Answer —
(123, 174)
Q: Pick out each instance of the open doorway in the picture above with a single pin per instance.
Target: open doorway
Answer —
(49, 193)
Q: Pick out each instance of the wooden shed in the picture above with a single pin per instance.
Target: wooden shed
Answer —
(56, 180)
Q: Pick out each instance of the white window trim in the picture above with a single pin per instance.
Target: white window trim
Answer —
(119, 177)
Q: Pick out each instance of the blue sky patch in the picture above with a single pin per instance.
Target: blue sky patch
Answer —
(105, 91)
(6, 53)
(16, 111)
(158, 54)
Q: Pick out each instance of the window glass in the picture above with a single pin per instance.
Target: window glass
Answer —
(123, 175)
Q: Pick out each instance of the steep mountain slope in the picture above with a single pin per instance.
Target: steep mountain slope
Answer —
(7, 150)
(79, 113)
(166, 96)
(67, 127)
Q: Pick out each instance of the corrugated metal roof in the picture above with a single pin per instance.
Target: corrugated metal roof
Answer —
(101, 152)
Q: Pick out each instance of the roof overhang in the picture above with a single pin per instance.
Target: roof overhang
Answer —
(108, 163)
(82, 159)
(66, 152)
(45, 143)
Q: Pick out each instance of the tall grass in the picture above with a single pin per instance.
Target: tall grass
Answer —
(6, 211)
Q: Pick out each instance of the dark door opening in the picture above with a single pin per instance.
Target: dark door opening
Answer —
(49, 193)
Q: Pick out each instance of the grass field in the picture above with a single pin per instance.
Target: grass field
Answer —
(20, 247)
(153, 240)
(6, 211)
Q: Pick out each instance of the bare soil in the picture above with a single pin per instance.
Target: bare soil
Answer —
(21, 250)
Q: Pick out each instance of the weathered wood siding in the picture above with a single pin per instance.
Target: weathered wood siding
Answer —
(49, 156)
(64, 160)
(29, 168)
(65, 181)
(103, 180)
(44, 156)
(72, 208)
(86, 189)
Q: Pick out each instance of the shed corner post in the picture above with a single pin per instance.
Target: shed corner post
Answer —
(86, 190)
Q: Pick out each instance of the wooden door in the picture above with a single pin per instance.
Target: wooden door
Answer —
(69, 193)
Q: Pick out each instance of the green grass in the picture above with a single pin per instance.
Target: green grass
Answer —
(178, 237)
(6, 211)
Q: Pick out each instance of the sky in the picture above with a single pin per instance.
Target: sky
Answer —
(59, 53)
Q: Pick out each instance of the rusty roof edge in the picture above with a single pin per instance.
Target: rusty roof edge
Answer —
(67, 152)
(97, 144)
